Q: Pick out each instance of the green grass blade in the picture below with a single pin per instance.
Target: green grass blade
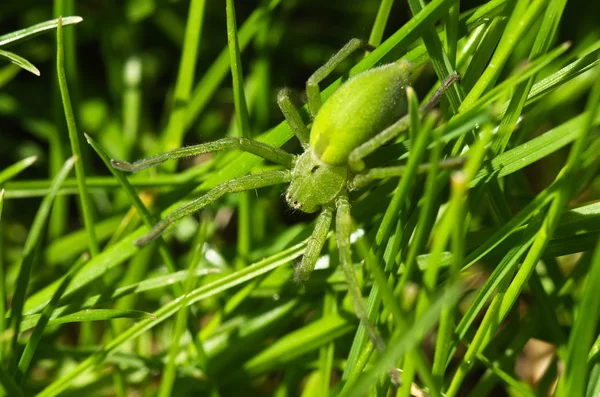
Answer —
(160, 282)
(217, 72)
(404, 342)
(148, 219)
(516, 28)
(173, 136)
(8, 383)
(308, 338)
(29, 252)
(34, 30)
(15, 169)
(441, 62)
(85, 201)
(36, 337)
(19, 61)
(195, 261)
(242, 122)
(246, 274)
(381, 19)
(2, 281)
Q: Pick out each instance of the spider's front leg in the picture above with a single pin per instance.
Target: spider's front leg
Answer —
(313, 92)
(315, 245)
(243, 183)
(260, 149)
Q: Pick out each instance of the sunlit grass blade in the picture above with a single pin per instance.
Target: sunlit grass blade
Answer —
(86, 203)
(300, 341)
(34, 30)
(246, 274)
(441, 62)
(19, 61)
(29, 321)
(87, 315)
(516, 28)
(217, 72)
(380, 22)
(32, 245)
(405, 341)
(2, 282)
(242, 122)
(195, 261)
(36, 337)
(14, 170)
(148, 219)
(173, 136)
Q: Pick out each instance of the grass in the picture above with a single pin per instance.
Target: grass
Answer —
(473, 274)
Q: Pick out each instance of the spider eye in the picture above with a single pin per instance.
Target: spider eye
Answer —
(312, 171)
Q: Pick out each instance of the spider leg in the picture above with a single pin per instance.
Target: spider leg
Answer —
(312, 85)
(260, 149)
(363, 179)
(343, 228)
(315, 245)
(292, 116)
(355, 157)
(241, 184)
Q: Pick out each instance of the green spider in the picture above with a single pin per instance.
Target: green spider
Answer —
(364, 113)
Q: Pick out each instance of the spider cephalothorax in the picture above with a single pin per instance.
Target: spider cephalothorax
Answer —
(314, 183)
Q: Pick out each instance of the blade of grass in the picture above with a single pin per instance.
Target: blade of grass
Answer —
(19, 61)
(154, 283)
(246, 274)
(181, 320)
(405, 342)
(147, 217)
(299, 342)
(243, 127)
(173, 136)
(34, 30)
(542, 44)
(36, 337)
(440, 60)
(29, 253)
(84, 198)
(2, 282)
(217, 72)
(9, 384)
(518, 25)
(15, 169)
(383, 13)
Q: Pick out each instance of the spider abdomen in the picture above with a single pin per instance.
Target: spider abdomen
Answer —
(358, 110)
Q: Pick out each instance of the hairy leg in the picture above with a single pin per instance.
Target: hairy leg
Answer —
(243, 183)
(315, 245)
(292, 116)
(363, 179)
(312, 85)
(260, 149)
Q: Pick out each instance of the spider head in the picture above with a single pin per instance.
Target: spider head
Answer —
(314, 183)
